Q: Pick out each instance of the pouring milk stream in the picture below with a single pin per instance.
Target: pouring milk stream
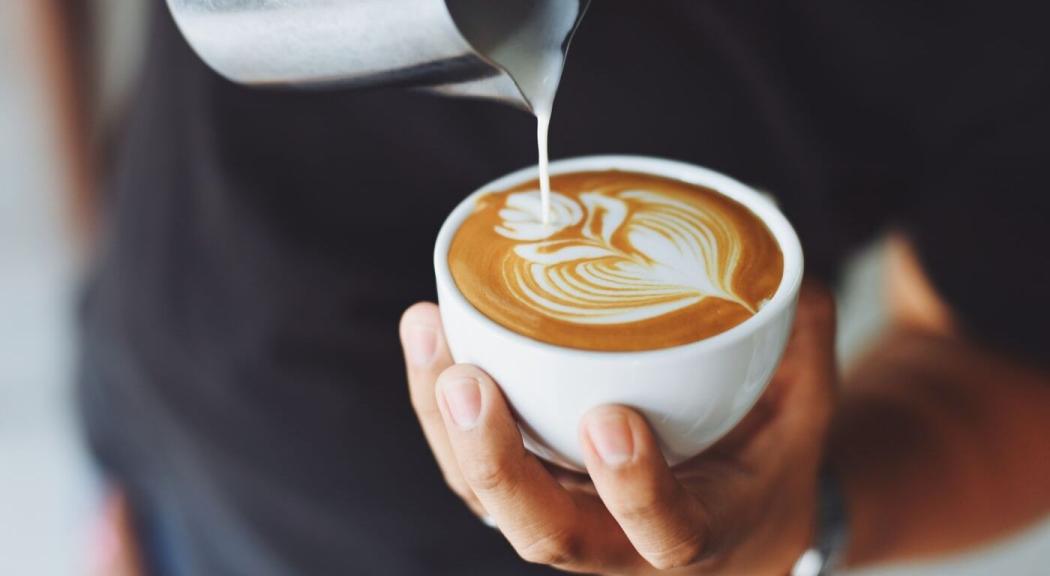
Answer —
(510, 51)
(532, 52)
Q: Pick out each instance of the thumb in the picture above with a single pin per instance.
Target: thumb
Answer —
(664, 523)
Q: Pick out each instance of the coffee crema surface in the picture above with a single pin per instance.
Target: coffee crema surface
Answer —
(627, 262)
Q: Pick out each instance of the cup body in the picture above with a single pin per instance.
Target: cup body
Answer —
(690, 394)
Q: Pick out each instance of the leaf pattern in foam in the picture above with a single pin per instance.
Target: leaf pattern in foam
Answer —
(677, 255)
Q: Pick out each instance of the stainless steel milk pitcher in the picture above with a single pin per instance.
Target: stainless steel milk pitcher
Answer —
(451, 46)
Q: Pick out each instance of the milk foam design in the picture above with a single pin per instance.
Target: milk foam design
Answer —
(638, 255)
(692, 390)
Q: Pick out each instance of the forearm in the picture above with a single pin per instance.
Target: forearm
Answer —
(940, 447)
(63, 54)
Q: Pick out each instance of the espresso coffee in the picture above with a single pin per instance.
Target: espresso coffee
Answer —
(626, 262)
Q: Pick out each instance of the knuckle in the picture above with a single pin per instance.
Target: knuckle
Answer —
(458, 487)
(685, 552)
(646, 502)
(554, 548)
(485, 474)
(470, 500)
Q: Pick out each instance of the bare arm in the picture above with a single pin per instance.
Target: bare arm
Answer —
(941, 444)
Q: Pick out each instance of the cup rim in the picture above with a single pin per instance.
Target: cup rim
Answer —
(759, 204)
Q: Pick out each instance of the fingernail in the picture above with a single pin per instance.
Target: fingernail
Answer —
(611, 437)
(420, 345)
(463, 398)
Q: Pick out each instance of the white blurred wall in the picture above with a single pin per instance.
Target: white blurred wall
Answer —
(45, 485)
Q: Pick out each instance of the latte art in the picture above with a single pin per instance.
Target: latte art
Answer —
(640, 255)
(620, 251)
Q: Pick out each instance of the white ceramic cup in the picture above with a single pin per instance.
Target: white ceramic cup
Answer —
(690, 394)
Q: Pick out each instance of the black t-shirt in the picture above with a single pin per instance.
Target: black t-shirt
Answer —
(241, 370)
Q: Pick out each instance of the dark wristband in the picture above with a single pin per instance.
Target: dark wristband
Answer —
(832, 530)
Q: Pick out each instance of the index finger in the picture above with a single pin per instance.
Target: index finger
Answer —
(426, 356)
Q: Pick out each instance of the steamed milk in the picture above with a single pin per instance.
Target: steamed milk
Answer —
(528, 41)
(628, 261)
(534, 58)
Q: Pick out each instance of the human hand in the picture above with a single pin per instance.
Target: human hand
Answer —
(112, 550)
(744, 506)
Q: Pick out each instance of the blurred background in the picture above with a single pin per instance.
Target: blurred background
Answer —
(49, 495)
(46, 488)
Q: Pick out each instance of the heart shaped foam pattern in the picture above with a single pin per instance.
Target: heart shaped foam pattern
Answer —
(670, 261)
(639, 255)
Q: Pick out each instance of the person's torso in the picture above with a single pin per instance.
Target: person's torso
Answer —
(263, 242)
